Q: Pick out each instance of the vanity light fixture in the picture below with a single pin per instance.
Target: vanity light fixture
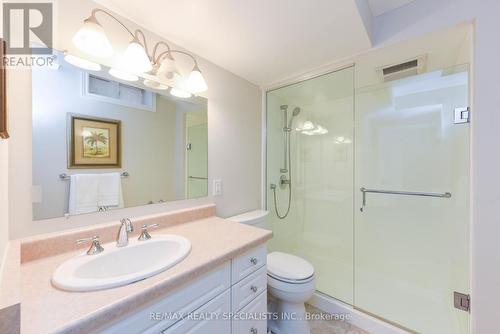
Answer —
(154, 85)
(91, 38)
(136, 58)
(179, 93)
(196, 82)
(168, 67)
(82, 63)
(122, 75)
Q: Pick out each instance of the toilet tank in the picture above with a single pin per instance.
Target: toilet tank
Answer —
(255, 218)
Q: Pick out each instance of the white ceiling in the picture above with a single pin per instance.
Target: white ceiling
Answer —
(263, 41)
(379, 7)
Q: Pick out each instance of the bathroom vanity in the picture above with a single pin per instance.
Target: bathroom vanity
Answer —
(203, 306)
(220, 287)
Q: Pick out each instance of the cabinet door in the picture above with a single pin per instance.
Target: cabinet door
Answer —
(211, 318)
(252, 319)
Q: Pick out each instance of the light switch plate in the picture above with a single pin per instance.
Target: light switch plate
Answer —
(217, 190)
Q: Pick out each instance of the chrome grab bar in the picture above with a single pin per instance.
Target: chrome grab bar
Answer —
(403, 193)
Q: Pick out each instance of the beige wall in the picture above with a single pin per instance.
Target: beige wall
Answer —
(4, 226)
(234, 116)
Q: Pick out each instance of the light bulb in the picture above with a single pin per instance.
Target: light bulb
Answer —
(82, 63)
(196, 82)
(179, 92)
(136, 59)
(168, 68)
(92, 39)
(122, 75)
(154, 84)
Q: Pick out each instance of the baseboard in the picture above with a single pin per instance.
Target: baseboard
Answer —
(357, 318)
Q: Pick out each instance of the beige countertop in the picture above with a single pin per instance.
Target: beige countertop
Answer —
(46, 309)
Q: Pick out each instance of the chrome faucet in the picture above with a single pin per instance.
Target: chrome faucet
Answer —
(125, 228)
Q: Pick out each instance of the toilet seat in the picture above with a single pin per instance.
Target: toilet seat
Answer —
(290, 281)
(289, 268)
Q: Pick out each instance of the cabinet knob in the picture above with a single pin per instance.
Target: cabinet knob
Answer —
(254, 288)
(254, 260)
(253, 330)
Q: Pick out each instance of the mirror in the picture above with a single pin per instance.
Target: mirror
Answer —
(100, 143)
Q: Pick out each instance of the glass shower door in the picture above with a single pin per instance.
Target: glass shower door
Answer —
(411, 252)
(319, 226)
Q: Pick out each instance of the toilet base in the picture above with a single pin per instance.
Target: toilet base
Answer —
(291, 319)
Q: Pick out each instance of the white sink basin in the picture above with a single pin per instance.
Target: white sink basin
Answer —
(120, 266)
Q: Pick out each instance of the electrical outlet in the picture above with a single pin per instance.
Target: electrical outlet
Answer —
(217, 187)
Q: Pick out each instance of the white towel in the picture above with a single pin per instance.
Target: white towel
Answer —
(83, 193)
(110, 190)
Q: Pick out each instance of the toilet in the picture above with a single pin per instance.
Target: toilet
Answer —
(290, 280)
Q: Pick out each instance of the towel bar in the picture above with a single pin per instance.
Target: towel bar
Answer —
(404, 193)
(65, 177)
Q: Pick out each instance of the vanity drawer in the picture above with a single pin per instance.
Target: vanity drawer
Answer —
(252, 319)
(154, 319)
(199, 323)
(243, 292)
(245, 264)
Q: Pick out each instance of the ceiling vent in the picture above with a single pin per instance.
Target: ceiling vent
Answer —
(402, 70)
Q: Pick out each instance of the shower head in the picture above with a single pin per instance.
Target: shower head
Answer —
(284, 107)
(295, 112)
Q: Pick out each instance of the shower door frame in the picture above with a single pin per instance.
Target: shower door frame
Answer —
(329, 303)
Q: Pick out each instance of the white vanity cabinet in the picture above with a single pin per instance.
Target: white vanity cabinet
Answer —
(230, 299)
(210, 318)
(249, 292)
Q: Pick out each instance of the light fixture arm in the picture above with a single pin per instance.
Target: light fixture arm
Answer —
(92, 39)
(98, 10)
(139, 32)
(169, 53)
(155, 49)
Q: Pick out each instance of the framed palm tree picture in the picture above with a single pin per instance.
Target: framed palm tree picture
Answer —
(94, 142)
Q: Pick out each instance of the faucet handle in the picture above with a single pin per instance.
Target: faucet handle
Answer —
(95, 247)
(128, 223)
(145, 234)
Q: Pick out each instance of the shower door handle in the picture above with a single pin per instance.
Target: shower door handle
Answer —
(402, 193)
(197, 178)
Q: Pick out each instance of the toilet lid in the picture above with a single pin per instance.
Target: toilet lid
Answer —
(288, 266)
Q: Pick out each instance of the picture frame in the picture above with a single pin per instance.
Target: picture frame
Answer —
(94, 142)
(4, 134)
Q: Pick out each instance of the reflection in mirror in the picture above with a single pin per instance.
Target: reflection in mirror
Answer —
(100, 144)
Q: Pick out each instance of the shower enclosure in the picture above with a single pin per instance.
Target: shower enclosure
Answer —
(377, 180)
